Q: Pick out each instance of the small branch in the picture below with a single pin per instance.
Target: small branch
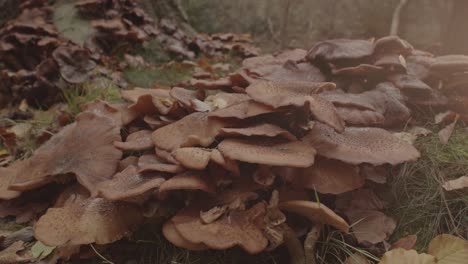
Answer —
(396, 17)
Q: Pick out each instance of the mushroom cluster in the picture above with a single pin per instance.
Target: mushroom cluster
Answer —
(35, 56)
(285, 143)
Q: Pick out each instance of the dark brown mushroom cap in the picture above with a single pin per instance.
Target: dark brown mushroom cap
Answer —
(172, 235)
(78, 219)
(391, 62)
(243, 110)
(195, 129)
(220, 83)
(392, 45)
(84, 148)
(189, 180)
(140, 140)
(294, 93)
(267, 130)
(6, 176)
(360, 145)
(74, 62)
(325, 176)
(150, 101)
(241, 228)
(340, 49)
(318, 213)
(273, 152)
(151, 162)
(289, 71)
(129, 184)
(193, 158)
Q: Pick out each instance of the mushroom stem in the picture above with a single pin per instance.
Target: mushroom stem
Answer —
(309, 244)
(294, 246)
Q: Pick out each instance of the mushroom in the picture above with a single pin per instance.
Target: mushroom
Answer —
(172, 235)
(295, 93)
(149, 101)
(78, 219)
(240, 228)
(242, 110)
(150, 162)
(192, 130)
(326, 176)
(228, 164)
(74, 62)
(186, 96)
(140, 140)
(5, 179)
(129, 184)
(189, 180)
(267, 130)
(360, 145)
(193, 158)
(315, 212)
(340, 50)
(273, 152)
(83, 148)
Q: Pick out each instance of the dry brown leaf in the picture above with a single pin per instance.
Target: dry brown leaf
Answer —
(449, 249)
(456, 184)
(401, 256)
(406, 242)
(446, 132)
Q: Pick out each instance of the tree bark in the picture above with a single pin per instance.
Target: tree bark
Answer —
(455, 39)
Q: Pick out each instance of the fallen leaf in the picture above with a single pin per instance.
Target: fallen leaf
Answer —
(449, 249)
(356, 258)
(12, 254)
(456, 184)
(446, 132)
(41, 251)
(401, 256)
(406, 242)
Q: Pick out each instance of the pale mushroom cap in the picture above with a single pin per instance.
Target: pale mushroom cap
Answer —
(83, 148)
(193, 158)
(340, 49)
(315, 212)
(267, 130)
(150, 162)
(269, 152)
(189, 180)
(242, 110)
(361, 145)
(140, 140)
(129, 184)
(82, 220)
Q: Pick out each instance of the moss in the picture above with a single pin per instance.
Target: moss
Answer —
(164, 75)
(70, 24)
(420, 204)
(153, 52)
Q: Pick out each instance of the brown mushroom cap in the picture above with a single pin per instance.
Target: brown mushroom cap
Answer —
(315, 212)
(360, 145)
(212, 84)
(359, 117)
(340, 49)
(267, 130)
(150, 162)
(193, 158)
(226, 163)
(241, 228)
(189, 180)
(450, 63)
(242, 110)
(78, 219)
(326, 176)
(74, 62)
(192, 130)
(392, 45)
(83, 148)
(140, 140)
(149, 101)
(185, 96)
(269, 152)
(289, 71)
(295, 93)
(129, 184)
(360, 70)
(172, 235)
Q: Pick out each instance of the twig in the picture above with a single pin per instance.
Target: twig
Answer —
(396, 17)
(101, 256)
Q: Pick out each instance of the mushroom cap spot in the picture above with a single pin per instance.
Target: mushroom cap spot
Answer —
(315, 212)
(226, 163)
(150, 162)
(140, 140)
(130, 183)
(189, 180)
(267, 130)
(340, 49)
(78, 219)
(296, 93)
(192, 130)
(242, 110)
(241, 228)
(83, 148)
(6, 176)
(193, 158)
(172, 235)
(361, 145)
(269, 152)
(327, 176)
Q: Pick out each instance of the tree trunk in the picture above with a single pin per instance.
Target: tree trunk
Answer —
(396, 17)
(170, 9)
(456, 37)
